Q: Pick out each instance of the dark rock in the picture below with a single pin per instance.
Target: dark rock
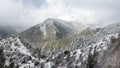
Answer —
(36, 63)
(66, 52)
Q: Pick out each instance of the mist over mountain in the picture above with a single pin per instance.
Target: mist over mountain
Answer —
(6, 31)
(59, 33)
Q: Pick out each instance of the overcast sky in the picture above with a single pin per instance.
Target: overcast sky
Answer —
(31, 12)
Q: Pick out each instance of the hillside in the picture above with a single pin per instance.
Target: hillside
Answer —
(50, 34)
(91, 48)
(99, 52)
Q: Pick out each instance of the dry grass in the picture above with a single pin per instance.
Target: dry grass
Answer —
(57, 44)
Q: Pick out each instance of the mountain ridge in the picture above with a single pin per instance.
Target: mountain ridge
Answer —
(97, 48)
(48, 30)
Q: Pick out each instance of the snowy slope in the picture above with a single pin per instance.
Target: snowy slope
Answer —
(102, 51)
(50, 27)
(109, 29)
(48, 30)
(79, 58)
(55, 25)
(14, 51)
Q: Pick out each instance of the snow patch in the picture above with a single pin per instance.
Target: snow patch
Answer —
(48, 65)
(43, 29)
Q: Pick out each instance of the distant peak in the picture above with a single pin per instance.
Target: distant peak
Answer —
(50, 19)
(53, 19)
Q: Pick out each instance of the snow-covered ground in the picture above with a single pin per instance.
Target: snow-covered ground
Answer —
(18, 55)
(15, 51)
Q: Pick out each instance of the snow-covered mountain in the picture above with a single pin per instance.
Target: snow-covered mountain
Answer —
(49, 31)
(112, 28)
(99, 51)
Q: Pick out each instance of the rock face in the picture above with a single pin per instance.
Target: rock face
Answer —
(100, 51)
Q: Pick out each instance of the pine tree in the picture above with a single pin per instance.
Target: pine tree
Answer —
(2, 59)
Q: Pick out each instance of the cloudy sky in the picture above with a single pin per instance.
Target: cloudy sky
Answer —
(31, 12)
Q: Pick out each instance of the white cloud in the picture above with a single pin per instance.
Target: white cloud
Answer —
(58, 9)
(18, 12)
(80, 15)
